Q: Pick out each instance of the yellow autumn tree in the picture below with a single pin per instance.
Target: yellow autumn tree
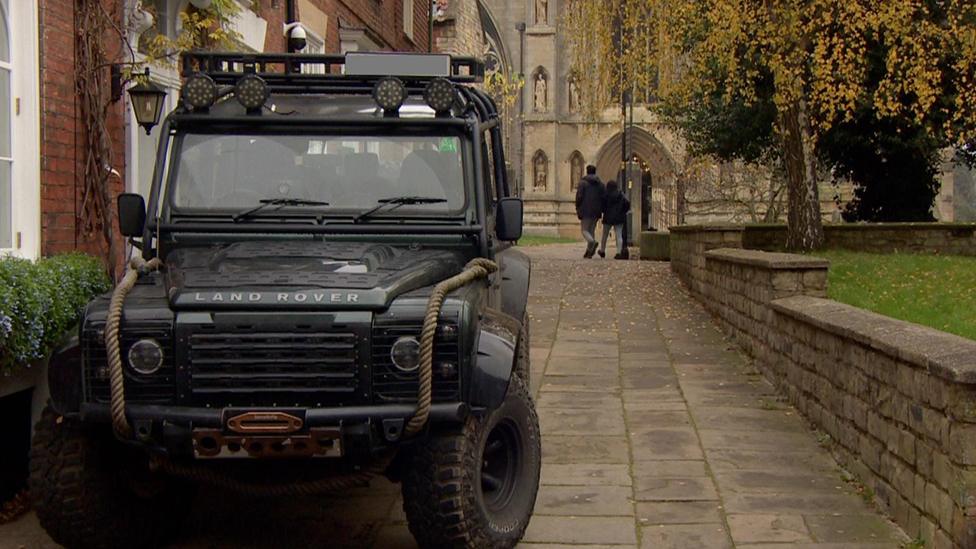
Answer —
(815, 52)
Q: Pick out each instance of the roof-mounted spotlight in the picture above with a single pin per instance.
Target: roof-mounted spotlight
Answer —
(389, 94)
(199, 92)
(251, 91)
(440, 95)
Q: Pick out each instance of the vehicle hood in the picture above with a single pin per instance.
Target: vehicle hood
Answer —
(302, 275)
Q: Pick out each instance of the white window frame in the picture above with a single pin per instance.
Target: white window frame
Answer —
(252, 29)
(408, 19)
(314, 43)
(25, 131)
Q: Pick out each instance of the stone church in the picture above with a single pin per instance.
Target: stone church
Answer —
(548, 151)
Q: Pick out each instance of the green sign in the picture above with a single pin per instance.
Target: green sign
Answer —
(448, 144)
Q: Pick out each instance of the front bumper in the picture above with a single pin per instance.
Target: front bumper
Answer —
(360, 431)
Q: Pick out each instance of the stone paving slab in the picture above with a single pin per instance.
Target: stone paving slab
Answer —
(657, 433)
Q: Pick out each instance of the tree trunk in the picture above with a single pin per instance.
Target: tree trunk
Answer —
(804, 225)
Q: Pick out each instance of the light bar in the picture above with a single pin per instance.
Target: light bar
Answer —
(398, 64)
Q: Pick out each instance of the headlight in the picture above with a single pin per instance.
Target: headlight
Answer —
(146, 356)
(199, 91)
(252, 92)
(389, 94)
(405, 354)
(439, 95)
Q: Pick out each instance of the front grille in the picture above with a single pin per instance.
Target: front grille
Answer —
(244, 368)
(392, 385)
(156, 388)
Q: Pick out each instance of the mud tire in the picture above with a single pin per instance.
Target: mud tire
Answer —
(444, 497)
(84, 488)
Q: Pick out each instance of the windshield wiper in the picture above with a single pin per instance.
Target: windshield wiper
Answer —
(280, 202)
(397, 202)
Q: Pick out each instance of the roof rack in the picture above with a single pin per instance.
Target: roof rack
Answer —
(283, 71)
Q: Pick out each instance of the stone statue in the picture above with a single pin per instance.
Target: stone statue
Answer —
(541, 101)
(575, 170)
(541, 169)
(541, 12)
(574, 98)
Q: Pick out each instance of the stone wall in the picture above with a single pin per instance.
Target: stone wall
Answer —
(941, 238)
(689, 244)
(897, 399)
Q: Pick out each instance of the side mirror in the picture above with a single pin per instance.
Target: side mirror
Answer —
(508, 219)
(132, 214)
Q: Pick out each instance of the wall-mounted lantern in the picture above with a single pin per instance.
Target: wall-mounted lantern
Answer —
(147, 102)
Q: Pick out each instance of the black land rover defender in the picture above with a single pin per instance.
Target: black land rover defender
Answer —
(304, 209)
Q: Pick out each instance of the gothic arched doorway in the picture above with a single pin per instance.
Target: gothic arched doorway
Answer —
(657, 169)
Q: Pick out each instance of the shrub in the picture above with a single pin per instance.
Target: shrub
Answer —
(40, 300)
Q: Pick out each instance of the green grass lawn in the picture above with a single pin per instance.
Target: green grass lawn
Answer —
(937, 291)
(528, 240)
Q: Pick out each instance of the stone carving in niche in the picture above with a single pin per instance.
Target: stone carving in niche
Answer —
(574, 96)
(541, 12)
(540, 171)
(575, 169)
(541, 101)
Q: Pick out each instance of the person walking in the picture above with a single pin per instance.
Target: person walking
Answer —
(590, 195)
(615, 208)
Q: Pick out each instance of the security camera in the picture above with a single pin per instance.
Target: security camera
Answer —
(297, 37)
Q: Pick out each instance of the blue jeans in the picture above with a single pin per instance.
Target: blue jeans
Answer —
(588, 228)
(618, 233)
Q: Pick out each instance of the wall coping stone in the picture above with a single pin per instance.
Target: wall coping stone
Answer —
(872, 226)
(945, 355)
(767, 260)
(704, 228)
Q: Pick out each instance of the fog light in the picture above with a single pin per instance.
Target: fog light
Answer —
(389, 93)
(145, 356)
(251, 91)
(405, 354)
(439, 95)
(199, 92)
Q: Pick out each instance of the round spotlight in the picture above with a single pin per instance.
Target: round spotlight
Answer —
(389, 93)
(251, 91)
(439, 95)
(405, 354)
(199, 91)
(146, 356)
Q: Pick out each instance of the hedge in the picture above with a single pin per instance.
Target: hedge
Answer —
(40, 300)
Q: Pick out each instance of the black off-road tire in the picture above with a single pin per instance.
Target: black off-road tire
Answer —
(523, 367)
(443, 495)
(90, 491)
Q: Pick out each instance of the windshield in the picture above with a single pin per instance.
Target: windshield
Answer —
(350, 173)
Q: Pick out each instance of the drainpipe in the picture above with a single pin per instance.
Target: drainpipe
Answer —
(430, 26)
(520, 27)
(289, 18)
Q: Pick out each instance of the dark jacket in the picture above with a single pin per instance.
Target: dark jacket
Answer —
(589, 197)
(615, 208)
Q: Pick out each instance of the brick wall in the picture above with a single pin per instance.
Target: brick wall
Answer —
(61, 135)
(459, 31)
(897, 399)
(382, 19)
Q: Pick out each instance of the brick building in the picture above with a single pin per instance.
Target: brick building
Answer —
(41, 134)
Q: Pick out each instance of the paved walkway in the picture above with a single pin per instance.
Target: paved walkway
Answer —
(657, 434)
